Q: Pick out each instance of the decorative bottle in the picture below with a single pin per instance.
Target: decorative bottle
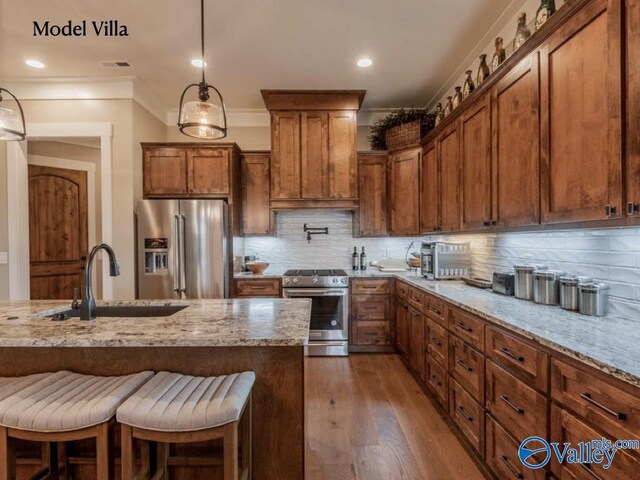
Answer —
(363, 260)
(457, 97)
(355, 259)
(469, 86)
(439, 114)
(499, 56)
(545, 10)
(522, 32)
(483, 70)
(448, 107)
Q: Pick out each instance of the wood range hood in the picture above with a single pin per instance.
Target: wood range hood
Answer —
(314, 148)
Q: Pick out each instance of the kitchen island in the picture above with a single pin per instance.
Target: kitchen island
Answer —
(209, 337)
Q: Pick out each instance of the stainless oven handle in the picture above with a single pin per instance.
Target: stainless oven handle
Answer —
(316, 292)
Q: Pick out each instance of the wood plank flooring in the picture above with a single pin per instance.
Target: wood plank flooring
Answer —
(368, 419)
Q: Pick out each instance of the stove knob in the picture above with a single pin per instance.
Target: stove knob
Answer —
(295, 280)
(344, 280)
(335, 280)
(315, 280)
(285, 281)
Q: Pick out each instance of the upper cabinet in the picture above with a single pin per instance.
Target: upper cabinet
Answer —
(633, 107)
(516, 163)
(430, 191)
(581, 116)
(256, 216)
(314, 142)
(164, 171)
(404, 192)
(208, 172)
(449, 168)
(372, 181)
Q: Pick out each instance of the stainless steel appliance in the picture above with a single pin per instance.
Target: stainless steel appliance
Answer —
(445, 260)
(503, 283)
(182, 249)
(545, 287)
(329, 294)
(594, 299)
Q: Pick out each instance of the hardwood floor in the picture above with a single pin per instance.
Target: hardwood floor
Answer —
(367, 419)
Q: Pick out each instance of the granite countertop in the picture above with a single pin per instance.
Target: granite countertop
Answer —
(204, 323)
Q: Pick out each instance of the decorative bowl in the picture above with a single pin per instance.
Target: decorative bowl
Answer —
(257, 267)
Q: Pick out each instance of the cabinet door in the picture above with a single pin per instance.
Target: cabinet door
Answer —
(404, 206)
(449, 168)
(314, 145)
(402, 328)
(256, 217)
(208, 172)
(416, 339)
(165, 172)
(429, 192)
(516, 146)
(372, 184)
(285, 155)
(475, 152)
(343, 161)
(581, 116)
(633, 107)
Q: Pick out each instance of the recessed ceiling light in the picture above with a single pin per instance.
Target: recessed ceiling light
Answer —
(34, 63)
(197, 62)
(364, 62)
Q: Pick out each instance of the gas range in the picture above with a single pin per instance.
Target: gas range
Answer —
(322, 278)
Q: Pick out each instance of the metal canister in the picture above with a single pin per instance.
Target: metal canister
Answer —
(593, 299)
(569, 290)
(545, 286)
(523, 281)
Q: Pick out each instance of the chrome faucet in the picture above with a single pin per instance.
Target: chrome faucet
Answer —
(88, 305)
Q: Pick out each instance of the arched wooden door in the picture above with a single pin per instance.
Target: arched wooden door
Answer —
(58, 226)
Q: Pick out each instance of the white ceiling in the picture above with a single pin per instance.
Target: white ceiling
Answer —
(416, 45)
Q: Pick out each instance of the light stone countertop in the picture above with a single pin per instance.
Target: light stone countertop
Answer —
(204, 323)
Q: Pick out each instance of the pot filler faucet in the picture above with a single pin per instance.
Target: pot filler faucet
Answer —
(88, 306)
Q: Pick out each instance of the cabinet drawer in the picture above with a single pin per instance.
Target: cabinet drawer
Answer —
(567, 428)
(258, 288)
(365, 307)
(438, 382)
(467, 367)
(402, 291)
(603, 405)
(371, 333)
(468, 328)
(370, 287)
(517, 406)
(417, 299)
(436, 310)
(502, 455)
(467, 414)
(518, 357)
(438, 342)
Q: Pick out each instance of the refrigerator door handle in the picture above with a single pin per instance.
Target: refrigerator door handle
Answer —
(183, 254)
(176, 255)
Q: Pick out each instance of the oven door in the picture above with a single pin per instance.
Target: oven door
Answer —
(329, 311)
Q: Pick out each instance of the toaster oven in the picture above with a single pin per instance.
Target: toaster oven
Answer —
(445, 260)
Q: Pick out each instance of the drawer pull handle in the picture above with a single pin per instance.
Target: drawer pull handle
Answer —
(465, 366)
(257, 288)
(436, 379)
(370, 308)
(462, 326)
(587, 467)
(435, 310)
(505, 351)
(464, 413)
(371, 334)
(415, 299)
(588, 398)
(370, 287)
(507, 463)
(515, 408)
(435, 341)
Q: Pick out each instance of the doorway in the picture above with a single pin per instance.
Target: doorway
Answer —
(58, 231)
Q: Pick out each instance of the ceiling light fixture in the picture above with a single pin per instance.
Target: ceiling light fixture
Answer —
(364, 62)
(35, 64)
(12, 126)
(201, 118)
(197, 62)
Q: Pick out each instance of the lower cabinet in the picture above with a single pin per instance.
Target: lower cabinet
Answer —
(402, 327)
(416, 340)
(467, 414)
(371, 315)
(437, 379)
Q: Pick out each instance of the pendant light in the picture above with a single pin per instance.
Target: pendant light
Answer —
(12, 126)
(202, 118)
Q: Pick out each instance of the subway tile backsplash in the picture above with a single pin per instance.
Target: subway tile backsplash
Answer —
(608, 255)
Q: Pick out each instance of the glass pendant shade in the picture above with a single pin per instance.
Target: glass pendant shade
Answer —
(202, 118)
(12, 126)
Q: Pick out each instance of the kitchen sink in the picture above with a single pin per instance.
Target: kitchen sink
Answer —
(124, 311)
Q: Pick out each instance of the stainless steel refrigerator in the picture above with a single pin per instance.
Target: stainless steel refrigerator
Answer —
(182, 249)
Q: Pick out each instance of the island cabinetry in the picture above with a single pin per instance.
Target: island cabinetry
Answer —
(371, 315)
(258, 288)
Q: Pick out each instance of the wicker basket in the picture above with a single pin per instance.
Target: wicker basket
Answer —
(403, 135)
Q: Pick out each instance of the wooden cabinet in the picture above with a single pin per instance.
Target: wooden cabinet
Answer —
(467, 414)
(372, 321)
(449, 168)
(429, 190)
(416, 339)
(343, 160)
(516, 146)
(467, 367)
(632, 59)
(285, 155)
(208, 172)
(437, 343)
(437, 379)
(402, 327)
(165, 171)
(372, 187)
(256, 216)
(467, 327)
(268, 287)
(581, 108)
(475, 164)
(404, 192)
(314, 166)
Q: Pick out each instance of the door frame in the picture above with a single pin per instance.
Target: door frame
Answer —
(18, 198)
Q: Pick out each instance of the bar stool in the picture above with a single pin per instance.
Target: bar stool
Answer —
(174, 408)
(63, 407)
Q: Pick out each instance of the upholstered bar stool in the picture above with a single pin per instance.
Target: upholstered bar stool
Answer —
(174, 408)
(63, 407)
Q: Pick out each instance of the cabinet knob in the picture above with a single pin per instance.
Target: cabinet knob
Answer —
(610, 210)
(486, 224)
(633, 208)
